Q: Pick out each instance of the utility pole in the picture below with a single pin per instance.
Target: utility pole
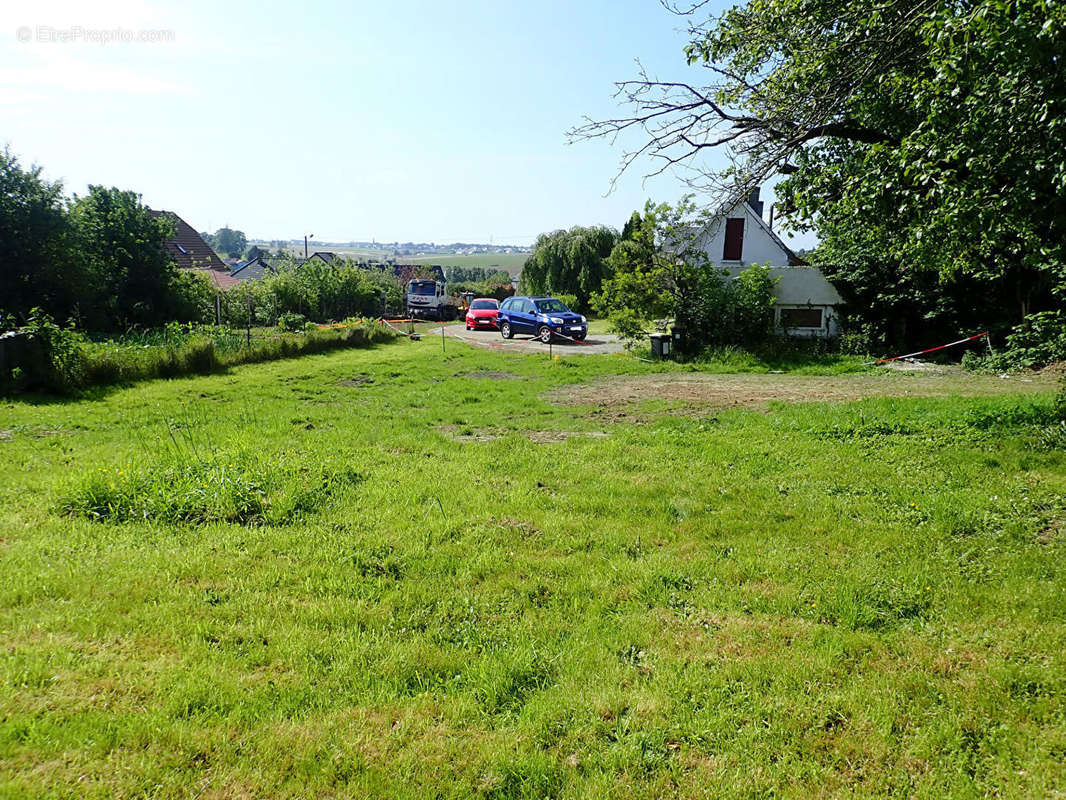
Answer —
(306, 237)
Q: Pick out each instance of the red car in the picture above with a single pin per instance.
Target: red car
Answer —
(482, 313)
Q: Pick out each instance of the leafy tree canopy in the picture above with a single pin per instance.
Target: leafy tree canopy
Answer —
(35, 269)
(570, 262)
(916, 135)
(123, 244)
(229, 242)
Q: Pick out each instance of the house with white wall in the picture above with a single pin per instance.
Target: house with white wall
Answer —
(735, 239)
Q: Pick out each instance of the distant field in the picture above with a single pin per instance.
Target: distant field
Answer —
(511, 262)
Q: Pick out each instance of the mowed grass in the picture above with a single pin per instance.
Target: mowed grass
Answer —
(397, 573)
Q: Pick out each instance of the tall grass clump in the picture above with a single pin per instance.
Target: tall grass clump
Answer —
(70, 361)
(242, 490)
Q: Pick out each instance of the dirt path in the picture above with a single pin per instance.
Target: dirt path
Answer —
(596, 344)
(758, 391)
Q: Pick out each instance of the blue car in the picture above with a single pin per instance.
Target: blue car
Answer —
(542, 317)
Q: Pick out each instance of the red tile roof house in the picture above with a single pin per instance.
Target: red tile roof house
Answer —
(188, 250)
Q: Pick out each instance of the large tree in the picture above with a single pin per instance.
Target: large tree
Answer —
(229, 242)
(570, 262)
(123, 244)
(915, 135)
(37, 267)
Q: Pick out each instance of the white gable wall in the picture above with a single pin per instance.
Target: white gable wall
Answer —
(795, 287)
(760, 245)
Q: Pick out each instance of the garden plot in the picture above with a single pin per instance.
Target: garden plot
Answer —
(694, 391)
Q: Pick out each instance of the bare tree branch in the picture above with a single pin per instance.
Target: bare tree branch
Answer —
(756, 115)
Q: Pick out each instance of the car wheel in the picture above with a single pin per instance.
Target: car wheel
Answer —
(505, 330)
(544, 333)
(579, 337)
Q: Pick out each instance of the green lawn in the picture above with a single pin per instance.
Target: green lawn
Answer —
(392, 573)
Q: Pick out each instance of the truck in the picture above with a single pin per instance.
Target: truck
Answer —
(427, 299)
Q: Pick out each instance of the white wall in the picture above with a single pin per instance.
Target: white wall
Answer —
(760, 246)
(795, 287)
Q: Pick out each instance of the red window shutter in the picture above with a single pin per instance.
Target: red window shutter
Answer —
(734, 240)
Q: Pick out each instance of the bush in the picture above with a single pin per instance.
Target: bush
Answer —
(55, 359)
(292, 322)
(568, 300)
(192, 297)
(715, 310)
(1039, 340)
(859, 339)
(315, 291)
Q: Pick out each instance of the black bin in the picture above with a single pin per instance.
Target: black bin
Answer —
(680, 339)
(660, 345)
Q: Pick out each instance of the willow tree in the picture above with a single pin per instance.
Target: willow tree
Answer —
(570, 262)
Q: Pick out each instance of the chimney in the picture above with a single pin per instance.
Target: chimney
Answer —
(754, 202)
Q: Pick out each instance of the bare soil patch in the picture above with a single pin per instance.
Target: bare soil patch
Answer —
(552, 437)
(469, 433)
(924, 367)
(698, 392)
(356, 382)
(466, 433)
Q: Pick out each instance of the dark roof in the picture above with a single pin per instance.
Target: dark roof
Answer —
(323, 255)
(188, 250)
(253, 269)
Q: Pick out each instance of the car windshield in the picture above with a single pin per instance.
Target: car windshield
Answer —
(423, 288)
(483, 304)
(550, 305)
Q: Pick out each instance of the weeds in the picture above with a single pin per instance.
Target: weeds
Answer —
(79, 362)
(241, 490)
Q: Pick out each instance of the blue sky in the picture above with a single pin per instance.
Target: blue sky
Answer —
(424, 121)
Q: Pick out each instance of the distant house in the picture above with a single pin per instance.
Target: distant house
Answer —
(324, 256)
(253, 269)
(188, 250)
(807, 304)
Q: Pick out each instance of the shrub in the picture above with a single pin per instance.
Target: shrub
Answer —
(291, 321)
(751, 297)
(1039, 340)
(192, 297)
(859, 338)
(568, 300)
(58, 362)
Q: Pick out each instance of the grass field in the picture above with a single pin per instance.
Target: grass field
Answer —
(509, 262)
(392, 573)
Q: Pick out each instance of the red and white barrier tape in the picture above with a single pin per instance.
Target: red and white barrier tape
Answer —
(930, 350)
(564, 336)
